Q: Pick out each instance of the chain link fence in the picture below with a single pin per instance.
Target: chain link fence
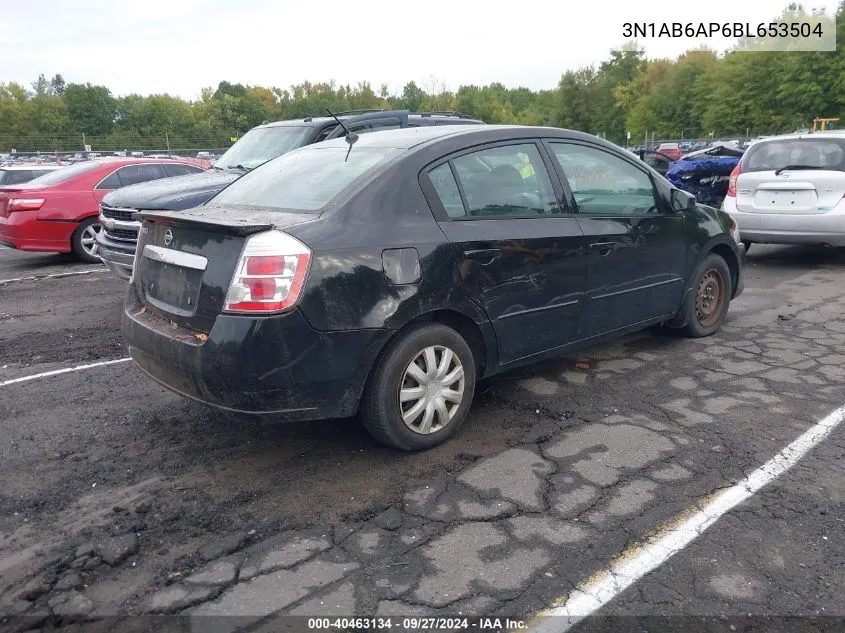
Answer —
(68, 145)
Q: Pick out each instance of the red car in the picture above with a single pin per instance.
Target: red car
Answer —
(672, 150)
(58, 212)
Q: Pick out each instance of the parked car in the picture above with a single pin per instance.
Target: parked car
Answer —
(17, 174)
(58, 212)
(117, 241)
(385, 277)
(790, 189)
(705, 173)
(672, 150)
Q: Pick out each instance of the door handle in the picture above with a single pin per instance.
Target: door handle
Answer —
(484, 256)
(604, 248)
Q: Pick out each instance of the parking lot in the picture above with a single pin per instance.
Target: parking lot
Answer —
(120, 498)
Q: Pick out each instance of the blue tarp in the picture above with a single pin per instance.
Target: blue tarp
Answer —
(706, 179)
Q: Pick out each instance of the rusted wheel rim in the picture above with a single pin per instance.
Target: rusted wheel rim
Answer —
(709, 297)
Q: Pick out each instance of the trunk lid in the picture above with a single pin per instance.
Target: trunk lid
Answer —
(796, 192)
(186, 260)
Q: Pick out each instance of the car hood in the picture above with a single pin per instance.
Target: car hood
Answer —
(179, 192)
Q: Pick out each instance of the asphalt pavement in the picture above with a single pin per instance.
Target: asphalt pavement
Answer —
(121, 500)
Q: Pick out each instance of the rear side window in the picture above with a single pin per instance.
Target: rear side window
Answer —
(447, 190)
(180, 169)
(304, 180)
(133, 174)
(822, 153)
(112, 181)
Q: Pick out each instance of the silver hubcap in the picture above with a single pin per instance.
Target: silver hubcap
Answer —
(431, 390)
(89, 239)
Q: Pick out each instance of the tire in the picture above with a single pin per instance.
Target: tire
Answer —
(747, 244)
(80, 241)
(381, 410)
(711, 283)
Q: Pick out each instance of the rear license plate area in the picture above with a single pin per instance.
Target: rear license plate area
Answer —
(172, 288)
(785, 200)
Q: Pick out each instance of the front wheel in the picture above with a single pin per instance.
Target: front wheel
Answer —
(421, 390)
(707, 309)
(83, 242)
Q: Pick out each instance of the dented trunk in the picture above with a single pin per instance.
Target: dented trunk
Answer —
(186, 260)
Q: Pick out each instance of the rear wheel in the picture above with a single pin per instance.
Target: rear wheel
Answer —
(421, 390)
(707, 309)
(83, 242)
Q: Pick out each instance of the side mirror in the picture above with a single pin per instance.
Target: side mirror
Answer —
(682, 201)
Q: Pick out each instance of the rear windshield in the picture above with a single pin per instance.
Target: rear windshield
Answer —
(64, 174)
(305, 180)
(823, 153)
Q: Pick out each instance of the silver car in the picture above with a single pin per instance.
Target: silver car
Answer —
(790, 189)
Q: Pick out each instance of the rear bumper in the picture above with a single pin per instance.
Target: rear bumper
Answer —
(24, 231)
(270, 365)
(784, 228)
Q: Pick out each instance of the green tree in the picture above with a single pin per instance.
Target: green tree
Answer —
(92, 109)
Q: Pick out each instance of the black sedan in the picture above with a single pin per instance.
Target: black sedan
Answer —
(384, 275)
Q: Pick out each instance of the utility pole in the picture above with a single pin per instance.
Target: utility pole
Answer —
(167, 138)
(83, 141)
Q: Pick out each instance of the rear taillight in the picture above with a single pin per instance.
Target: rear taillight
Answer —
(24, 204)
(732, 180)
(269, 275)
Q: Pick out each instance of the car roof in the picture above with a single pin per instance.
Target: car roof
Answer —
(802, 135)
(320, 120)
(408, 138)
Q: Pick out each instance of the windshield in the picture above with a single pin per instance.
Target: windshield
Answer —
(303, 181)
(821, 153)
(64, 174)
(262, 144)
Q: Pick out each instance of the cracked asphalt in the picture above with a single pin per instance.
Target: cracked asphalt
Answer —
(120, 499)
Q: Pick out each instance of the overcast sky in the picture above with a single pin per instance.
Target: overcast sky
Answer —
(181, 46)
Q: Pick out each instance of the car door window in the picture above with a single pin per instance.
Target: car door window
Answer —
(133, 174)
(180, 169)
(510, 180)
(604, 184)
(378, 125)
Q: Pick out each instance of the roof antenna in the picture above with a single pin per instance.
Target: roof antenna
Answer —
(351, 137)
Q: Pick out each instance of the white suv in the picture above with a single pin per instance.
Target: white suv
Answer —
(790, 190)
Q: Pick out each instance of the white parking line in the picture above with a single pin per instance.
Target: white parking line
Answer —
(639, 560)
(67, 370)
(99, 269)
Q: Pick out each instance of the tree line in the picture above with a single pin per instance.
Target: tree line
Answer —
(697, 94)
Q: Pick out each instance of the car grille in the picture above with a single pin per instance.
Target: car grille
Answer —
(124, 215)
(122, 234)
